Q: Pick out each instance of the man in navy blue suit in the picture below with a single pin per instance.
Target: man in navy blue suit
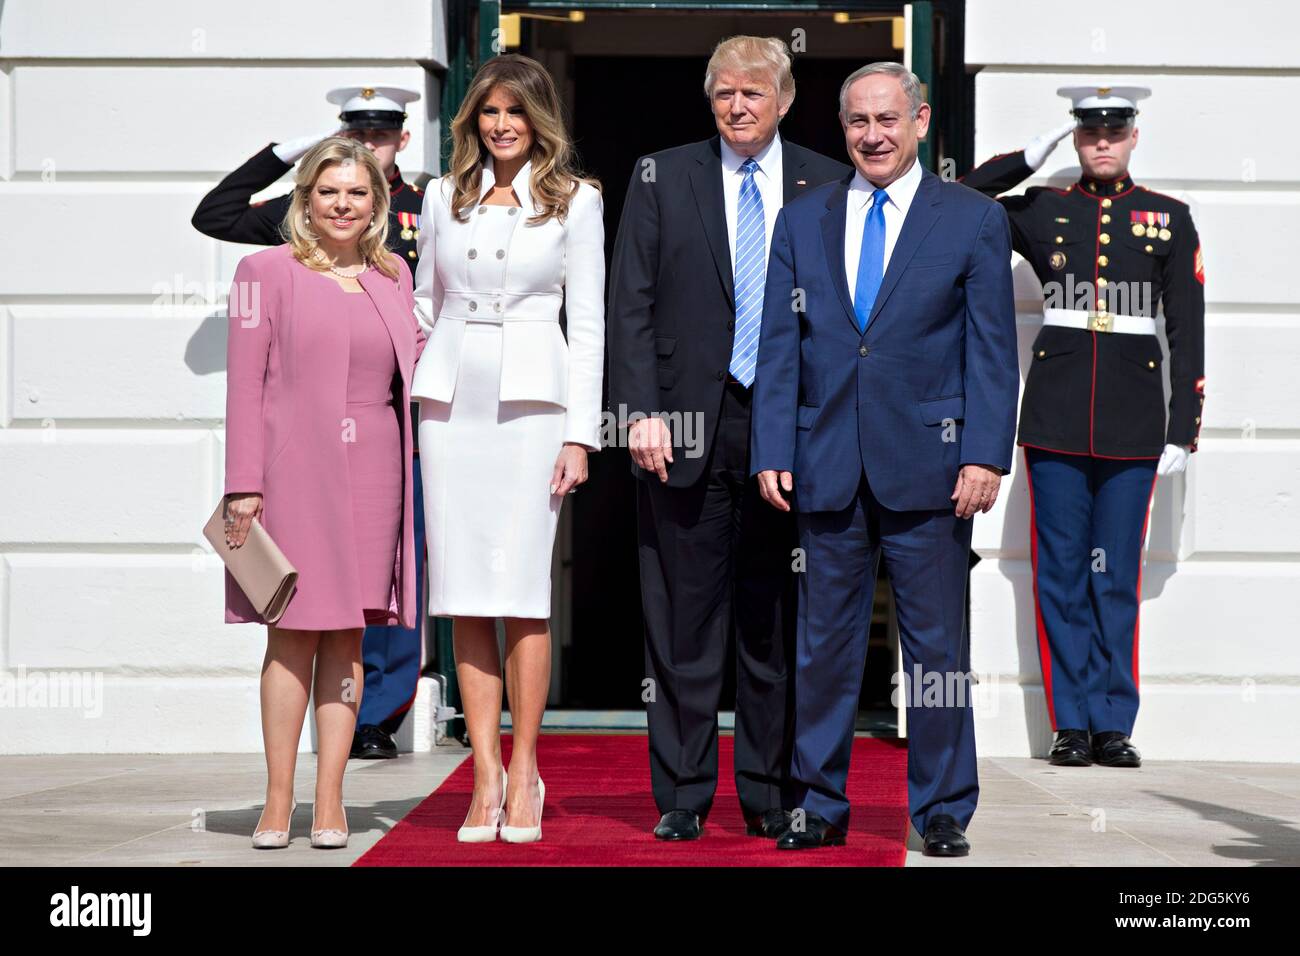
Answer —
(884, 408)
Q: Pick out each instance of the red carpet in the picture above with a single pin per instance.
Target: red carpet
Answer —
(599, 812)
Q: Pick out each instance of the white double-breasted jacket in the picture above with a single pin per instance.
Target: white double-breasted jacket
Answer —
(545, 265)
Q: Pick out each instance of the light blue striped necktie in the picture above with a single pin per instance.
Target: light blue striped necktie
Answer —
(871, 261)
(751, 273)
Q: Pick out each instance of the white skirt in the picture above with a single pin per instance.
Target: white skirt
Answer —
(486, 467)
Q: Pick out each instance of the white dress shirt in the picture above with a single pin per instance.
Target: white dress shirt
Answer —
(901, 193)
(771, 189)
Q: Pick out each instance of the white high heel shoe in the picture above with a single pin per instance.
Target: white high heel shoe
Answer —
(329, 838)
(488, 832)
(274, 839)
(528, 834)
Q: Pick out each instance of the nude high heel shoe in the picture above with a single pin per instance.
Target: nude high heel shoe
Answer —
(528, 834)
(329, 838)
(487, 833)
(274, 839)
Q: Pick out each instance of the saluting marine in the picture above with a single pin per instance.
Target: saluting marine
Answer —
(372, 114)
(375, 116)
(1092, 419)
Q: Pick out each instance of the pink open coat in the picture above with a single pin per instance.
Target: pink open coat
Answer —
(286, 392)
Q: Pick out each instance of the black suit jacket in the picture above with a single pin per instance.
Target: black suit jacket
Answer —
(672, 311)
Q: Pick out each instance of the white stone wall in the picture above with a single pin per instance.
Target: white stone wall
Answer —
(1220, 632)
(115, 118)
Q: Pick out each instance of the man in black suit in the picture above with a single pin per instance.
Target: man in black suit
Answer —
(685, 307)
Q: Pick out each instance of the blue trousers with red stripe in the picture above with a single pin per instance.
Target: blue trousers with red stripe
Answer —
(390, 656)
(1088, 525)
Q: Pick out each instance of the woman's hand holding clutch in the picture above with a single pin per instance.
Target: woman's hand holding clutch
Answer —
(240, 512)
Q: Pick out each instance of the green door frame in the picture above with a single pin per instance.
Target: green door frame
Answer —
(921, 44)
(472, 31)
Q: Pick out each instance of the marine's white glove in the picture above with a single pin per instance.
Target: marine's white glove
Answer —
(1041, 146)
(292, 150)
(1173, 460)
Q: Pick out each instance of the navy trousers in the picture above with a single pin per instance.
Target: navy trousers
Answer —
(926, 555)
(1088, 523)
(390, 656)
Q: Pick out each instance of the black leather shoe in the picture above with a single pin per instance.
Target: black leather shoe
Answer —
(372, 742)
(1112, 748)
(679, 825)
(816, 831)
(771, 823)
(943, 837)
(1070, 749)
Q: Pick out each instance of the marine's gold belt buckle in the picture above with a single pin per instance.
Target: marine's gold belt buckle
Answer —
(1100, 322)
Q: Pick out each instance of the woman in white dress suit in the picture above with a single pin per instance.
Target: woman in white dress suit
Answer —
(508, 408)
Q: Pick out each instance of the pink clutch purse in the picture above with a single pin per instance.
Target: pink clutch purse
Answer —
(260, 568)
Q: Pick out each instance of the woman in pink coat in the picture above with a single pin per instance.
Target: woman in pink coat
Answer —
(321, 346)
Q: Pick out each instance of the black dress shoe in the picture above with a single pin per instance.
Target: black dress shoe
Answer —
(372, 742)
(943, 837)
(679, 825)
(771, 823)
(1071, 749)
(1112, 748)
(816, 831)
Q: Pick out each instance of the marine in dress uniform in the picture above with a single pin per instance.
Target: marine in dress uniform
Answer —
(1092, 419)
(227, 212)
(390, 655)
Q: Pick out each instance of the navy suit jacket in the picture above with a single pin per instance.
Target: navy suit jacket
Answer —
(930, 386)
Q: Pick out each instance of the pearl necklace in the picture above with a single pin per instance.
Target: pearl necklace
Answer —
(365, 266)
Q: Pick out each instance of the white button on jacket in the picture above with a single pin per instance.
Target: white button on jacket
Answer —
(542, 266)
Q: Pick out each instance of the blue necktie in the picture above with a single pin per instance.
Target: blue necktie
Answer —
(871, 261)
(751, 273)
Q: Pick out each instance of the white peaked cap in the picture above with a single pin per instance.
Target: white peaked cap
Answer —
(1104, 97)
(352, 98)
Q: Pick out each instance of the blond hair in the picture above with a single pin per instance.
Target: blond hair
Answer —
(373, 244)
(752, 55)
(554, 176)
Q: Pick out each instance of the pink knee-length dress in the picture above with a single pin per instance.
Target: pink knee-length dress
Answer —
(332, 475)
(374, 444)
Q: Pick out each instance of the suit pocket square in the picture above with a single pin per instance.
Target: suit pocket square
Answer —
(938, 410)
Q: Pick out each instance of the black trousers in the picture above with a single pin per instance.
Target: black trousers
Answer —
(717, 559)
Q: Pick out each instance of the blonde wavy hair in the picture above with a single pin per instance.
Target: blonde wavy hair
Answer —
(373, 244)
(555, 174)
(753, 55)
